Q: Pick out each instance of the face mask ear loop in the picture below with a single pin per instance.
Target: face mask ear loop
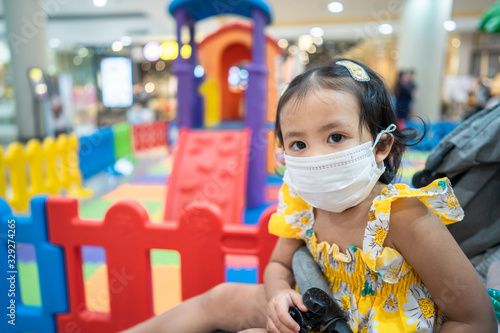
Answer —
(389, 129)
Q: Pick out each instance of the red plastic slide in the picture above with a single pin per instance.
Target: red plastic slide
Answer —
(210, 168)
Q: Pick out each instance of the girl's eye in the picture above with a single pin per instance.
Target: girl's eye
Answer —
(299, 145)
(335, 138)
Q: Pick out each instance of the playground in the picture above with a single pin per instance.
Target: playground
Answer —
(112, 228)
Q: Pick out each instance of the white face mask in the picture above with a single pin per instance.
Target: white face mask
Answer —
(336, 181)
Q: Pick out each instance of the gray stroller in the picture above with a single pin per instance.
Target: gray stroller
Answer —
(470, 157)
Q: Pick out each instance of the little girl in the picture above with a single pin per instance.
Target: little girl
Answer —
(384, 249)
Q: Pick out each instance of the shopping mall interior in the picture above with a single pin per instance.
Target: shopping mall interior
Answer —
(68, 39)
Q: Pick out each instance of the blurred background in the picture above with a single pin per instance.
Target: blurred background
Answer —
(93, 94)
(52, 51)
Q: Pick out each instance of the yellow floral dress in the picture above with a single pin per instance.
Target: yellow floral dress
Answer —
(375, 287)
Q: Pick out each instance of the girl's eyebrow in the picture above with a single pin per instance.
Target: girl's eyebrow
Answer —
(324, 128)
(333, 125)
(293, 134)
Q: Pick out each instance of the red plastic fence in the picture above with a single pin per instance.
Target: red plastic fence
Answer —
(201, 238)
(150, 135)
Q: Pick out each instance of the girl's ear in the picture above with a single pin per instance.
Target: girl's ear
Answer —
(383, 147)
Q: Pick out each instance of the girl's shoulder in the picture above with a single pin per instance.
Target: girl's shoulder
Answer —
(438, 197)
(399, 209)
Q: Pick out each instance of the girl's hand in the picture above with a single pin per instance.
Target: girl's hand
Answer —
(279, 320)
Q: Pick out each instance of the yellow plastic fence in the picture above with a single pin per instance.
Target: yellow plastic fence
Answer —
(50, 167)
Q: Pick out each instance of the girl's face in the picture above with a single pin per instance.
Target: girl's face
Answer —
(324, 122)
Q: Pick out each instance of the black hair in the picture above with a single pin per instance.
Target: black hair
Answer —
(376, 112)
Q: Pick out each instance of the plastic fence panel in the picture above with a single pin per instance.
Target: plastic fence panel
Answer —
(96, 152)
(50, 263)
(122, 134)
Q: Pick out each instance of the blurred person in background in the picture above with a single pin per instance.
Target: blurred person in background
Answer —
(403, 93)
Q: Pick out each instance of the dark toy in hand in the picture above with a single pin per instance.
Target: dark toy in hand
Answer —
(323, 315)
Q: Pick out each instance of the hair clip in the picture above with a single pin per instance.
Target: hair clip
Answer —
(284, 89)
(357, 72)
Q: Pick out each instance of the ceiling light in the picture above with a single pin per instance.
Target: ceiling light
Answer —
(304, 42)
(100, 3)
(336, 7)
(186, 51)
(152, 51)
(318, 40)
(293, 50)
(169, 50)
(450, 25)
(385, 29)
(149, 87)
(117, 46)
(317, 32)
(83, 52)
(234, 70)
(283, 43)
(35, 74)
(244, 74)
(199, 71)
(41, 89)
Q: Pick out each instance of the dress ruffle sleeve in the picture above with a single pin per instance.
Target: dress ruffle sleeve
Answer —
(293, 218)
(387, 262)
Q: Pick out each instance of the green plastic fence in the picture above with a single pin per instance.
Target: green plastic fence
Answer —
(123, 141)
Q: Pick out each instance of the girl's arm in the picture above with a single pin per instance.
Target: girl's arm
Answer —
(427, 245)
(278, 282)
